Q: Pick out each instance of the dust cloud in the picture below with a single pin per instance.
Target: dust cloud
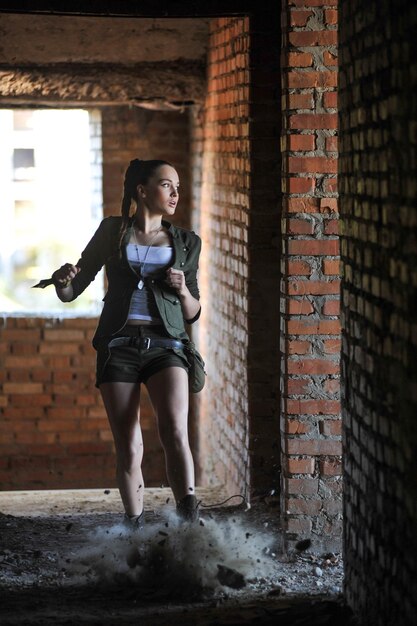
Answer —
(208, 555)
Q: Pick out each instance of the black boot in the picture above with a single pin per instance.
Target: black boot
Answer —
(187, 508)
(134, 522)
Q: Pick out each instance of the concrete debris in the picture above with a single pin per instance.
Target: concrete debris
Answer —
(230, 577)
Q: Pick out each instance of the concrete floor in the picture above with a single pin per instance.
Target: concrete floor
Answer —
(43, 533)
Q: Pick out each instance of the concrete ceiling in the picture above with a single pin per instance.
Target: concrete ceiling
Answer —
(65, 60)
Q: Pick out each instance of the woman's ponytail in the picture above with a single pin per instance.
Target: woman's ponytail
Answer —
(132, 175)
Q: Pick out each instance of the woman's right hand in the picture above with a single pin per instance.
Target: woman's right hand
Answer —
(63, 277)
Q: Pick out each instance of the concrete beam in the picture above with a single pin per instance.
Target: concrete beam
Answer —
(152, 85)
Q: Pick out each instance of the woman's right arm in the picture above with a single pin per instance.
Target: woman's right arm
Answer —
(71, 280)
(62, 281)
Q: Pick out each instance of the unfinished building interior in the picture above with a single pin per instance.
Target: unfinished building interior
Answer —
(293, 127)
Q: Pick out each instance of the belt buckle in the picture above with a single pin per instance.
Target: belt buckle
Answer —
(146, 343)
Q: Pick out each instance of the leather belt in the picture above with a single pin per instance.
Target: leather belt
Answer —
(145, 343)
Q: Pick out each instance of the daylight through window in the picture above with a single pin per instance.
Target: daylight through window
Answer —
(50, 204)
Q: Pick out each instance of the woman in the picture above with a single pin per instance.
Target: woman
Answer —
(151, 267)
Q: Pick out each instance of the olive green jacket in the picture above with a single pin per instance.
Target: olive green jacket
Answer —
(103, 249)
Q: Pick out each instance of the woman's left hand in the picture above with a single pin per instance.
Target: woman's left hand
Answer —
(176, 280)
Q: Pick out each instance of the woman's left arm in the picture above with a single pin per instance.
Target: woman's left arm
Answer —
(185, 283)
(190, 305)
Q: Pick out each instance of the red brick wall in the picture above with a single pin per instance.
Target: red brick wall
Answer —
(378, 111)
(222, 146)
(310, 328)
(53, 431)
(53, 428)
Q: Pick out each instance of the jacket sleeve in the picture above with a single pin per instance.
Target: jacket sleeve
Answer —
(191, 274)
(92, 258)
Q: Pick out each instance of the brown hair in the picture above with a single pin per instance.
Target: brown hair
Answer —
(138, 173)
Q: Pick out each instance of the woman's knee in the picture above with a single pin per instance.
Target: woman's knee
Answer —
(129, 457)
(173, 436)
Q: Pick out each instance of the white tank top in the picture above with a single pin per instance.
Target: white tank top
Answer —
(158, 259)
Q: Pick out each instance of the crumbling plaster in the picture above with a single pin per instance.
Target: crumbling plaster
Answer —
(86, 60)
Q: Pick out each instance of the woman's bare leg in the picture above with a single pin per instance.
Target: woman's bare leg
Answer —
(168, 391)
(121, 401)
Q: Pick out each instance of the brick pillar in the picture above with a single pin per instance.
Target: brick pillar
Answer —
(310, 328)
(378, 128)
(223, 226)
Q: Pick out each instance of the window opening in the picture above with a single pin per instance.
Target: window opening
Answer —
(50, 205)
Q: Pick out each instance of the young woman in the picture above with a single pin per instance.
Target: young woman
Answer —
(151, 267)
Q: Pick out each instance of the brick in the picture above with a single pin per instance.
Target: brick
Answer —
(330, 467)
(89, 448)
(330, 427)
(331, 266)
(303, 507)
(295, 427)
(299, 59)
(65, 413)
(60, 376)
(331, 307)
(313, 3)
(306, 79)
(21, 335)
(330, 185)
(22, 388)
(58, 425)
(64, 335)
(311, 165)
(59, 348)
(312, 205)
(24, 349)
(24, 362)
(313, 366)
(297, 386)
(331, 227)
(332, 346)
(301, 466)
(301, 39)
(301, 142)
(298, 307)
(299, 347)
(300, 227)
(313, 120)
(330, 16)
(331, 144)
(332, 385)
(329, 59)
(298, 185)
(314, 447)
(298, 101)
(313, 287)
(307, 327)
(299, 18)
(299, 526)
(330, 99)
(298, 268)
(314, 247)
(313, 407)
(302, 486)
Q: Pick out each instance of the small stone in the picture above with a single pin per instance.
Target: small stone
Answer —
(318, 571)
(302, 545)
(275, 592)
(107, 491)
(230, 577)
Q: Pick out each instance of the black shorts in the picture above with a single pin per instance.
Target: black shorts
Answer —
(129, 364)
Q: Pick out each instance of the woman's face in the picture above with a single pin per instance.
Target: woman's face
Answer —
(161, 192)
